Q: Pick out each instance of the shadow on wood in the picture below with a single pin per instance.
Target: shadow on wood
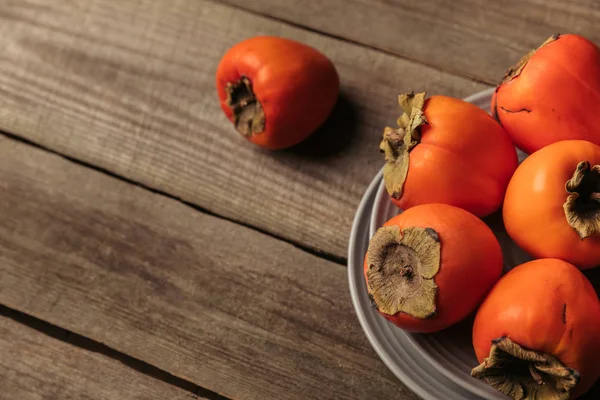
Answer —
(335, 135)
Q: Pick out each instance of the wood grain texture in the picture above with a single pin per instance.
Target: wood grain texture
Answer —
(34, 366)
(223, 306)
(475, 38)
(128, 86)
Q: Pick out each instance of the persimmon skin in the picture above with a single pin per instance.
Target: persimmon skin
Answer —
(471, 263)
(464, 159)
(555, 96)
(296, 85)
(533, 206)
(528, 306)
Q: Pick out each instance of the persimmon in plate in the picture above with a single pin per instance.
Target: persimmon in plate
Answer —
(431, 266)
(537, 334)
(449, 151)
(552, 204)
(552, 94)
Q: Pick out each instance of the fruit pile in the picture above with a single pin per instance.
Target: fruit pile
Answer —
(448, 163)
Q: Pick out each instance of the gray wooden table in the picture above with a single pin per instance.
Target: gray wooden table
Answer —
(147, 251)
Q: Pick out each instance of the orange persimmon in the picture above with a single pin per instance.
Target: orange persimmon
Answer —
(537, 334)
(431, 266)
(552, 204)
(276, 91)
(447, 151)
(552, 94)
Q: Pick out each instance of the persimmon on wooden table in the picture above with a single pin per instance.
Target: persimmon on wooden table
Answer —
(147, 251)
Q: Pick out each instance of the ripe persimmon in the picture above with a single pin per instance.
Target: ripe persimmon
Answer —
(552, 94)
(276, 91)
(431, 266)
(447, 151)
(537, 334)
(552, 204)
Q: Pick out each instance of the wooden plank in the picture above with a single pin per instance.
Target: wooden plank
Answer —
(474, 38)
(223, 306)
(128, 86)
(34, 366)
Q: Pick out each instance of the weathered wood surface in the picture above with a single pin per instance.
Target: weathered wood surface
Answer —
(210, 301)
(473, 38)
(128, 86)
(34, 366)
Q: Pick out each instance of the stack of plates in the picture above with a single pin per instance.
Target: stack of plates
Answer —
(435, 366)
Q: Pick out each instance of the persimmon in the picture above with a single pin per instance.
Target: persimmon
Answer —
(552, 94)
(276, 91)
(431, 266)
(447, 151)
(552, 204)
(537, 334)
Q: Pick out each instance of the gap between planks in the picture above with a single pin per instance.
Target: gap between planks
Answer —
(326, 256)
(88, 344)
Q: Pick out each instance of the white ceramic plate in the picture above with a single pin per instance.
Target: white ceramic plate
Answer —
(435, 366)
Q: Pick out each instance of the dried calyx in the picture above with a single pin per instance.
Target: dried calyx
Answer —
(402, 265)
(397, 143)
(515, 70)
(524, 374)
(582, 207)
(248, 114)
